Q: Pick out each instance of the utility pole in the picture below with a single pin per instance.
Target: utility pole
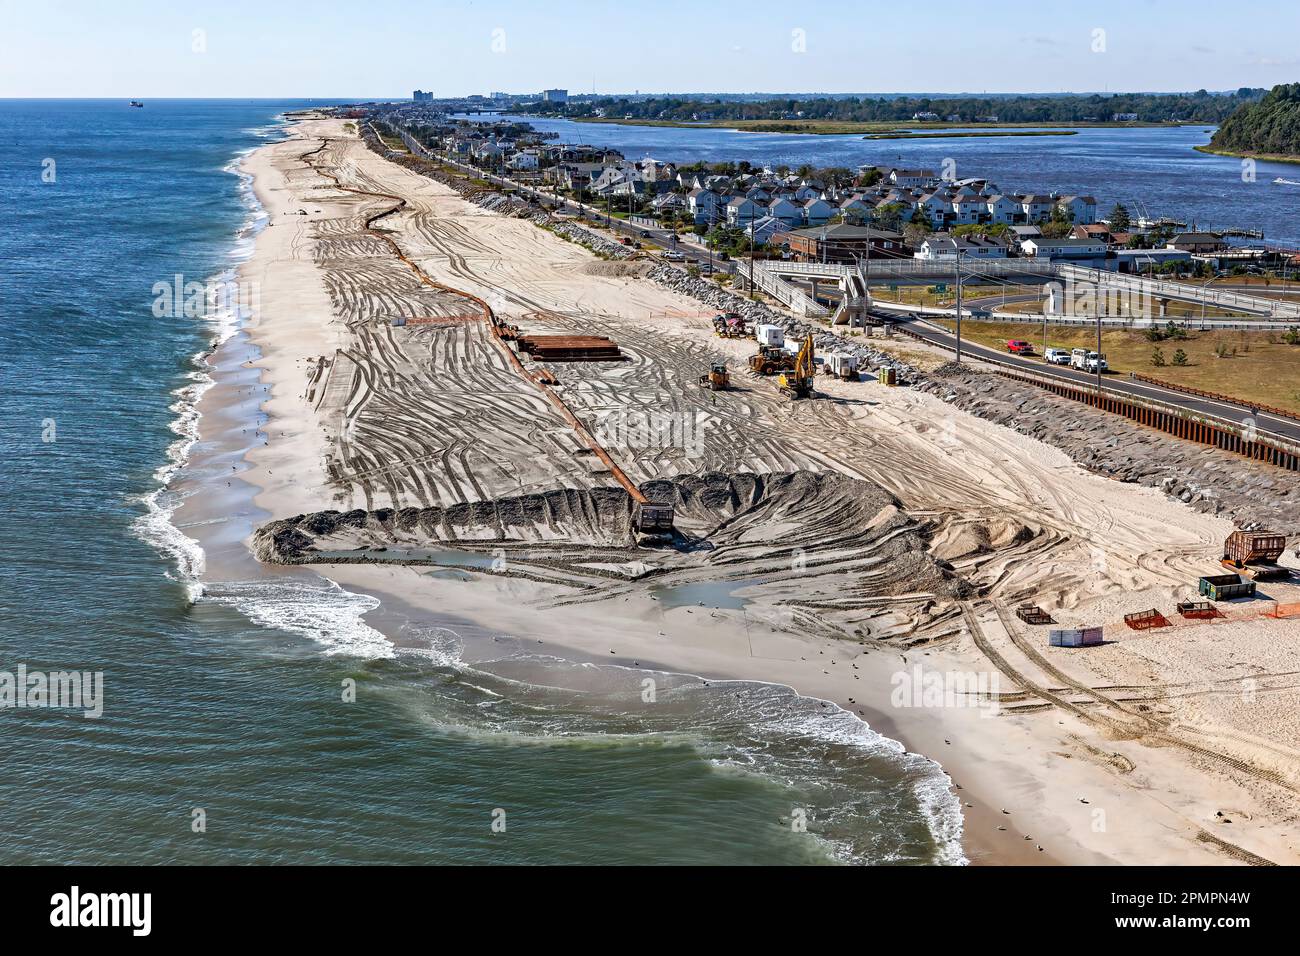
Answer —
(751, 255)
(1098, 351)
(958, 304)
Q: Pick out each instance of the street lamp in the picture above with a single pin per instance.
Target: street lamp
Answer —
(958, 304)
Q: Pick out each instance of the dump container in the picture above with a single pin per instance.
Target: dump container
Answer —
(1225, 587)
(1145, 620)
(842, 366)
(888, 375)
(1198, 609)
(1252, 547)
(1074, 637)
(769, 335)
(1033, 614)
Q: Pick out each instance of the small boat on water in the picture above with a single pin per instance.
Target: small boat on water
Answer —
(1286, 182)
(137, 104)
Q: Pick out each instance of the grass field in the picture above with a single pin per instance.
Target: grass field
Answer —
(924, 294)
(1264, 369)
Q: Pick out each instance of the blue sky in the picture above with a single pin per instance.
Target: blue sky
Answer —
(385, 48)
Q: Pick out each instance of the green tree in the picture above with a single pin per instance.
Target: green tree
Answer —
(1119, 220)
(1158, 357)
(1180, 357)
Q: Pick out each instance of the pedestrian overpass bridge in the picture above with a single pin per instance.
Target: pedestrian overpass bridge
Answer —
(777, 278)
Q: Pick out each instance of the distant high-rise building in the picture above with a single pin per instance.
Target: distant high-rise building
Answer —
(420, 96)
(555, 96)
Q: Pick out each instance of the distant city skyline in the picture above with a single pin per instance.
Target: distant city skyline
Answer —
(386, 49)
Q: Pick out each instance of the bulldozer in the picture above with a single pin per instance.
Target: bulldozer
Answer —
(717, 379)
(770, 359)
(798, 382)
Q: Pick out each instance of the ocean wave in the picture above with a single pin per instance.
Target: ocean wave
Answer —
(863, 782)
(315, 608)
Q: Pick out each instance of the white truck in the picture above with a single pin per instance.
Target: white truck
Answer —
(770, 335)
(1056, 356)
(1087, 361)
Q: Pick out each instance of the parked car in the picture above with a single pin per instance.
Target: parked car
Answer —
(645, 234)
(1087, 361)
(674, 257)
(1020, 347)
(625, 240)
(723, 257)
(1057, 356)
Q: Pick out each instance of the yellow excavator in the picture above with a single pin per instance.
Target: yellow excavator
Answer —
(799, 382)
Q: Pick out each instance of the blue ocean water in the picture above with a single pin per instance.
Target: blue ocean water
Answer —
(213, 715)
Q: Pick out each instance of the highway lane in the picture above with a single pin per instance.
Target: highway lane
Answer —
(1232, 411)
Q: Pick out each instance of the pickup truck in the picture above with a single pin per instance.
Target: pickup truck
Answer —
(1020, 347)
(1056, 356)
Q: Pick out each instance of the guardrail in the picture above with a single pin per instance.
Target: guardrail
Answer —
(792, 297)
(1215, 396)
(1239, 438)
(1166, 289)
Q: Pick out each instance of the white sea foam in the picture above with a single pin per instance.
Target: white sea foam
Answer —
(315, 608)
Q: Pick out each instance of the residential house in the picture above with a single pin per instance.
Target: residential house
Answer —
(616, 180)
(705, 206)
(741, 210)
(969, 209)
(1041, 248)
(789, 212)
(817, 211)
(1082, 210)
(912, 178)
(1002, 209)
(1036, 208)
(936, 207)
(942, 247)
(840, 243)
(855, 209)
(761, 230)
(525, 160)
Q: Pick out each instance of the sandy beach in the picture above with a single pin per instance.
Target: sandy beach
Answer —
(930, 525)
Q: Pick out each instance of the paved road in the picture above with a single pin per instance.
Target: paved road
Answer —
(1232, 411)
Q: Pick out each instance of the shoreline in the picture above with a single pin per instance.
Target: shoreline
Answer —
(990, 780)
(849, 127)
(1265, 157)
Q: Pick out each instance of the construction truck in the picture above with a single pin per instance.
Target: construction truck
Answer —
(798, 382)
(770, 359)
(717, 378)
(730, 325)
